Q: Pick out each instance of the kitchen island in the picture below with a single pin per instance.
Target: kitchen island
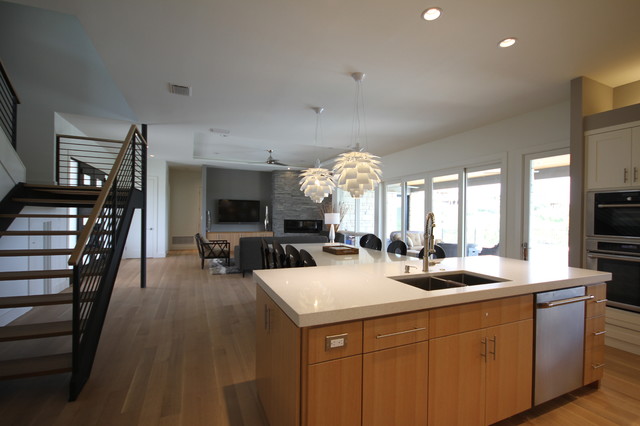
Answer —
(348, 344)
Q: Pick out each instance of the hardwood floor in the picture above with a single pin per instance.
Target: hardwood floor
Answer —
(181, 352)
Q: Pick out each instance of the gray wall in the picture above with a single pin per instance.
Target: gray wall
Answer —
(235, 185)
(290, 203)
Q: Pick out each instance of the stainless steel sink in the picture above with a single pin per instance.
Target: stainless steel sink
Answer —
(447, 280)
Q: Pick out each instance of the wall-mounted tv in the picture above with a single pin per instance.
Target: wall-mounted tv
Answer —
(238, 211)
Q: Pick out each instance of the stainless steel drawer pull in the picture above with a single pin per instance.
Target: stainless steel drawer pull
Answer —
(615, 206)
(565, 301)
(596, 366)
(599, 333)
(413, 330)
(602, 300)
(612, 257)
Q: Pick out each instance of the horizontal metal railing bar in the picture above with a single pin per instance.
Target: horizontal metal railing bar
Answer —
(86, 138)
(65, 150)
(5, 77)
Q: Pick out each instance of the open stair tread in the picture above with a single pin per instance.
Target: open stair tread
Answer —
(37, 366)
(62, 187)
(15, 233)
(36, 252)
(33, 275)
(35, 331)
(55, 201)
(43, 216)
(36, 300)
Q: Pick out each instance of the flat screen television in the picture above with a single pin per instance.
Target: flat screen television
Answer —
(238, 211)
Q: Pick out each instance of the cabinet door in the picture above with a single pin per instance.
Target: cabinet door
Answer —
(509, 370)
(333, 393)
(594, 349)
(635, 156)
(394, 386)
(277, 362)
(596, 306)
(609, 159)
(457, 379)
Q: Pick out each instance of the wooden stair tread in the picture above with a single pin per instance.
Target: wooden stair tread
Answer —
(44, 216)
(63, 187)
(51, 364)
(35, 331)
(52, 201)
(36, 252)
(32, 275)
(36, 300)
(14, 233)
(69, 191)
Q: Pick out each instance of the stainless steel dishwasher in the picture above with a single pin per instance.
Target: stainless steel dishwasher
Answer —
(559, 342)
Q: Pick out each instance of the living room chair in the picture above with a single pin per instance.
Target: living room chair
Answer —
(215, 249)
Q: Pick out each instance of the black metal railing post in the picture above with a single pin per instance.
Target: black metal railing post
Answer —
(143, 213)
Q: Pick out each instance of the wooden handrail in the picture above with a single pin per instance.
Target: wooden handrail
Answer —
(88, 227)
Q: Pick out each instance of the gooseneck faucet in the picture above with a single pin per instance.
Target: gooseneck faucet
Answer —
(429, 240)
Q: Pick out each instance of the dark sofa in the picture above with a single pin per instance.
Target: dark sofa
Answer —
(250, 257)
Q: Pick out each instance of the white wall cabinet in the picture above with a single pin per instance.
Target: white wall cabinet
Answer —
(613, 159)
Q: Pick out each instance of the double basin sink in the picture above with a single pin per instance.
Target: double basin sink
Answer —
(447, 280)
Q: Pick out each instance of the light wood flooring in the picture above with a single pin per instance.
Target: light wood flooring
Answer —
(181, 352)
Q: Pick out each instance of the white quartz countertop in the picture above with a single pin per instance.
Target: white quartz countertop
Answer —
(350, 289)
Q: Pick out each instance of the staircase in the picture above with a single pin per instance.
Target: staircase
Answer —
(102, 219)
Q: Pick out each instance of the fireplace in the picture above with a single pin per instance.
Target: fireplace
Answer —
(302, 226)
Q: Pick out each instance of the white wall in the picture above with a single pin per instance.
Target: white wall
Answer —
(506, 141)
(12, 171)
(185, 189)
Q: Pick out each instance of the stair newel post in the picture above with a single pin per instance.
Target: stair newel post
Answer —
(143, 213)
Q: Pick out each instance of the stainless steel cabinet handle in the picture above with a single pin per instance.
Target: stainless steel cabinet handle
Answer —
(635, 174)
(564, 301)
(484, 348)
(616, 206)
(267, 319)
(413, 330)
(602, 300)
(495, 347)
(599, 333)
(626, 175)
(596, 366)
(614, 257)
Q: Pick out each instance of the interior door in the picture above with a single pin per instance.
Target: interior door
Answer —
(132, 247)
(546, 208)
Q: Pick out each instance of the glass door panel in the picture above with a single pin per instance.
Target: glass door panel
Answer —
(393, 211)
(546, 235)
(445, 204)
(415, 205)
(482, 212)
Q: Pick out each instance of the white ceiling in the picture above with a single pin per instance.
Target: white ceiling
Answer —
(257, 67)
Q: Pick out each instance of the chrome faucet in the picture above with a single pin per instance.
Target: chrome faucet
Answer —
(429, 241)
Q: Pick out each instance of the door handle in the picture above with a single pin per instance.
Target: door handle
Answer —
(635, 174)
(484, 348)
(599, 333)
(626, 175)
(495, 347)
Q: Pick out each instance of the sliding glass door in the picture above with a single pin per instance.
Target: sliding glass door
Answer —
(482, 211)
(445, 204)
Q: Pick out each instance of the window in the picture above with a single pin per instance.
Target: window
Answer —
(445, 204)
(360, 212)
(415, 205)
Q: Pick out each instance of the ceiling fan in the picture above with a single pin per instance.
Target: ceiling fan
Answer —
(270, 161)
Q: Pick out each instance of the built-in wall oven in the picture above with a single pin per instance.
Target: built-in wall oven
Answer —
(613, 244)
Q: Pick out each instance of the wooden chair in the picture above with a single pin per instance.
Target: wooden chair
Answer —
(397, 247)
(215, 249)
(306, 258)
(292, 257)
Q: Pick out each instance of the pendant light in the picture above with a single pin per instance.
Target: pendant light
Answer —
(317, 182)
(357, 171)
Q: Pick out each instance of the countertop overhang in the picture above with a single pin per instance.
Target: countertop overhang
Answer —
(330, 294)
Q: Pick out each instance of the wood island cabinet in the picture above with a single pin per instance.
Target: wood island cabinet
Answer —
(481, 376)
(594, 333)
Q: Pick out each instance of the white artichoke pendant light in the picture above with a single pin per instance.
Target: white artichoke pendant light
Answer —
(357, 171)
(316, 182)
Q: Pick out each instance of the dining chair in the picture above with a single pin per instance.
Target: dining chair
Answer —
(266, 254)
(372, 242)
(439, 254)
(278, 255)
(306, 258)
(397, 247)
(292, 257)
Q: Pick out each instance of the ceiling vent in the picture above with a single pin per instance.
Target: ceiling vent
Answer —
(179, 90)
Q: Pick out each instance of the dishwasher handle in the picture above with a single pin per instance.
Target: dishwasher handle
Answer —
(562, 302)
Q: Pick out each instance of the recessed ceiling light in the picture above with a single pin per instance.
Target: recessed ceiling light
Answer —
(508, 42)
(431, 14)
(151, 155)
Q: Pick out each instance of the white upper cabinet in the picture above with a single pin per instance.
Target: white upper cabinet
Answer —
(613, 159)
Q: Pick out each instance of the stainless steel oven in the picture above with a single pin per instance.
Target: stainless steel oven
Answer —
(613, 214)
(622, 259)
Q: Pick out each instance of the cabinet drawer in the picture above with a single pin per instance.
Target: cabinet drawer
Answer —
(395, 330)
(474, 316)
(332, 341)
(596, 306)
(594, 333)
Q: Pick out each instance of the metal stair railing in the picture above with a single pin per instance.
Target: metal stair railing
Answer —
(98, 251)
(8, 107)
